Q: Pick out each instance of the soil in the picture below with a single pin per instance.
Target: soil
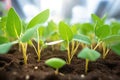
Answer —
(13, 68)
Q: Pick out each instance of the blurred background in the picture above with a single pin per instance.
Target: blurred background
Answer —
(70, 10)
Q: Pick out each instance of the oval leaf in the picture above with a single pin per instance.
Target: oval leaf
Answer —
(13, 25)
(55, 63)
(65, 31)
(82, 38)
(40, 18)
(95, 18)
(3, 40)
(4, 48)
(112, 40)
(89, 54)
(102, 32)
(116, 49)
(29, 34)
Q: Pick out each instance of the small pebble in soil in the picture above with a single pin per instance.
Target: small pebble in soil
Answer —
(36, 67)
(27, 77)
(14, 73)
(82, 76)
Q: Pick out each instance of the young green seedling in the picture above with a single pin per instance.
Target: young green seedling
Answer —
(113, 41)
(15, 30)
(89, 55)
(68, 36)
(102, 31)
(40, 39)
(35, 27)
(56, 63)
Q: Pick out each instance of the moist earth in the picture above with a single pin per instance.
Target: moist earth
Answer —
(13, 68)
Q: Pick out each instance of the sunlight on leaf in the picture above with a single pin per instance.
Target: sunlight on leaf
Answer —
(13, 25)
(38, 19)
(65, 31)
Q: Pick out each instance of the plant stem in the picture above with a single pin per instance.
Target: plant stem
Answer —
(86, 66)
(105, 54)
(39, 54)
(56, 71)
(24, 51)
(68, 53)
(74, 51)
(82, 45)
(19, 47)
(91, 46)
(73, 46)
(34, 48)
(97, 45)
(38, 47)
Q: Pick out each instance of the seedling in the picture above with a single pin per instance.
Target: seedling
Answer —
(102, 31)
(68, 36)
(56, 63)
(89, 55)
(38, 20)
(16, 31)
(113, 42)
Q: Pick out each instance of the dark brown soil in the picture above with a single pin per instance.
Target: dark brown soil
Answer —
(13, 68)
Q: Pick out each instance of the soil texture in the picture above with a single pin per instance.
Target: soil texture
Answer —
(13, 68)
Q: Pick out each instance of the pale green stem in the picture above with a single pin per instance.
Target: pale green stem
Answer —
(68, 53)
(86, 66)
(56, 71)
(24, 49)
(74, 51)
(73, 46)
(104, 56)
(38, 47)
(97, 45)
(34, 48)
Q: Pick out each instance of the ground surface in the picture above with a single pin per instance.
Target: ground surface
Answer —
(12, 67)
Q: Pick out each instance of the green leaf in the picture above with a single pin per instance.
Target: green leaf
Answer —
(104, 18)
(74, 29)
(116, 48)
(95, 19)
(89, 54)
(115, 28)
(86, 28)
(4, 48)
(38, 19)
(112, 40)
(102, 32)
(82, 38)
(13, 25)
(65, 31)
(42, 30)
(3, 40)
(55, 63)
(51, 29)
(29, 34)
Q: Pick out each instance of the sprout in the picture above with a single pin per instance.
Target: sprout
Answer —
(67, 35)
(89, 55)
(56, 63)
(33, 27)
